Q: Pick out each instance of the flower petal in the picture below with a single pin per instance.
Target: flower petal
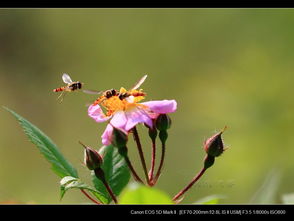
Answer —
(161, 107)
(95, 112)
(119, 120)
(106, 136)
(136, 116)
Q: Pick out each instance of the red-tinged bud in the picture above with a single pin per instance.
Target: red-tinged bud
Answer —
(119, 138)
(163, 122)
(92, 158)
(214, 145)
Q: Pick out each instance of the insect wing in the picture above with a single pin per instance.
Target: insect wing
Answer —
(92, 92)
(139, 83)
(66, 78)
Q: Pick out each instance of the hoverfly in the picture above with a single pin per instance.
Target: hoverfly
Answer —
(122, 94)
(71, 86)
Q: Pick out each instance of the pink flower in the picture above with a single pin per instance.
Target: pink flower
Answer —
(124, 114)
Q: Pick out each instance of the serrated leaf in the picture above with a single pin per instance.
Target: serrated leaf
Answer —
(213, 199)
(116, 171)
(46, 146)
(288, 198)
(69, 182)
(137, 193)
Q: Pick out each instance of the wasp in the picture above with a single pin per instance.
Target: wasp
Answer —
(122, 94)
(71, 86)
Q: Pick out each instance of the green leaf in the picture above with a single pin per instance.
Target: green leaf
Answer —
(69, 182)
(288, 198)
(116, 171)
(139, 194)
(213, 199)
(49, 150)
(266, 194)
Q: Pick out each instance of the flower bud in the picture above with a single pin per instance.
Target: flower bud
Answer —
(152, 133)
(208, 161)
(92, 158)
(214, 146)
(163, 122)
(119, 138)
(163, 135)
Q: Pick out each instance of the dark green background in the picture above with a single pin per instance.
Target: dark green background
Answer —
(229, 67)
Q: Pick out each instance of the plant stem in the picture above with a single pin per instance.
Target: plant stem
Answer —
(109, 190)
(89, 197)
(124, 152)
(151, 173)
(100, 175)
(194, 180)
(135, 175)
(139, 146)
(161, 162)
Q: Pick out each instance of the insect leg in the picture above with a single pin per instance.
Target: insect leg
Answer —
(61, 96)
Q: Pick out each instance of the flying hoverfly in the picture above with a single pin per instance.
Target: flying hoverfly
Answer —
(71, 86)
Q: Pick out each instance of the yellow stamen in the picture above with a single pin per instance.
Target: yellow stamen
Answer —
(114, 103)
(122, 90)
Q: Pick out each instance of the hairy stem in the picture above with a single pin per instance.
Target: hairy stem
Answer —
(124, 152)
(135, 175)
(161, 162)
(140, 150)
(109, 190)
(100, 175)
(151, 172)
(89, 197)
(194, 180)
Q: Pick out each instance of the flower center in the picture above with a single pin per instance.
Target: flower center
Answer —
(128, 102)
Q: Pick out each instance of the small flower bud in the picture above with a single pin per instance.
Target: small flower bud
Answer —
(92, 158)
(163, 122)
(152, 133)
(208, 161)
(163, 135)
(214, 146)
(119, 138)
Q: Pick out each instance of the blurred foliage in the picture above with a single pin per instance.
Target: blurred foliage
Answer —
(136, 193)
(229, 67)
(267, 192)
(213, 199)
(288, 198)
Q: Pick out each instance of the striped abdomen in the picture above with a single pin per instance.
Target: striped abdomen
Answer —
(59, 89)
(72, 87)
(126, 94)
(138, 94)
